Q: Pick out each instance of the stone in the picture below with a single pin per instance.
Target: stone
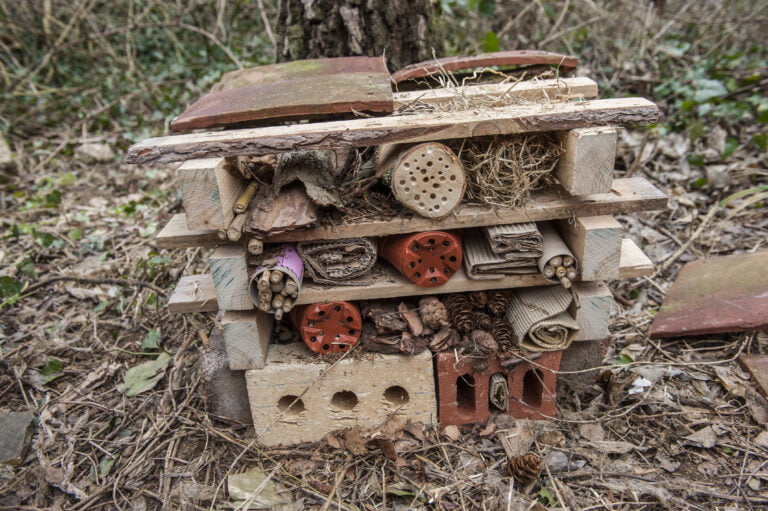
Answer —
(7, 161)
(224, 391)
(15, 434)
(94, 153)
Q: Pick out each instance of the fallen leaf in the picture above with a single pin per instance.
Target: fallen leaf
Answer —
(758, 406)
(334, 441)
(145, 376)
(552, 437)
(667, 463)
(614, 447)
(731, 383)
(354, 442)
(762, 439)
(488, 430)
(705, 437)
(452, 432)
(151, 341)
(386, 446)
(518, 439)
(592, 432)
(416, 429)
(254, 487)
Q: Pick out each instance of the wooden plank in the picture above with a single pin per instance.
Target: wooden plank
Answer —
(387, 283)
(293, 90)
(630, 195)
(596, 243)
(587, 164)
(176, 234)
(229, 271)
(499, 58)
(593, 313)
(529, 90)
(634, 263)
(246, 338)
(511, 119)
(194, 293)
(208, 192)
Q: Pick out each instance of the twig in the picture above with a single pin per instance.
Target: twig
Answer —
(82, 280)
(680, 251)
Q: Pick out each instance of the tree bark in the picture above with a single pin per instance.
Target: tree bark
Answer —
(405, 31)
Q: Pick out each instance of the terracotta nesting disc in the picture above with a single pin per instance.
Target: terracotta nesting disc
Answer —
(331, 327)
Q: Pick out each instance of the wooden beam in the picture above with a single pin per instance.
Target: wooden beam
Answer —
(587, 164)
(630, 195)
(387, 283)
(528, 90)
(208, 192)
(246, 338)
(634, 263)
(596, 243)
(396, 128)
(194, 293)
(176, 234)
(593, 313)
(229, 271)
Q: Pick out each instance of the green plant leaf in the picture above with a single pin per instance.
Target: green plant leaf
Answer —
(9, 287)
(151, 341)
(624, 359)
(52, 370)
(695, 159)
(761, 141)
(731, 144)
(491, 42)
(145, 376)
(744, 193)
(708, 89)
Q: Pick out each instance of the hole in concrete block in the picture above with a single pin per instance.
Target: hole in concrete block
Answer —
(465, 394)
(533, 388)
(346, 400)
(396, 395)
(290, 405)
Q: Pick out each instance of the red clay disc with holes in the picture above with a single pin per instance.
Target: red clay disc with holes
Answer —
(332, 327)
(427, 259)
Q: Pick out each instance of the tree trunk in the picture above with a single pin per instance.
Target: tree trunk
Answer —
(405, 31)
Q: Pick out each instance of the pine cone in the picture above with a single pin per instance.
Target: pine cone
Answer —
(483, 342)
(483, 321)
(460, 312)
(478, 299)
(524, 468)
(433, 313)
(498, 302)
(502, 333)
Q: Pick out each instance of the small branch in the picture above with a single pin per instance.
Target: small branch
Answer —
(81, 280)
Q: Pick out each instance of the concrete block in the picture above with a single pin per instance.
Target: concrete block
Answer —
(581, 358)
(463, 391)
(224, 390)
(297, 397)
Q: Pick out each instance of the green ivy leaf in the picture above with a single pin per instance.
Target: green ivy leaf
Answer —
(491, 42)
(52, 370)
(731, 144)
(151, 341)
(708, 89)
(9, 287)
(761, 141)
(145, 376)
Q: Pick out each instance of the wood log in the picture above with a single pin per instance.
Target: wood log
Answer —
(230, 278)
(596, 243)
(395, 129)
(208, 193)
(586, 165)
(426, 178)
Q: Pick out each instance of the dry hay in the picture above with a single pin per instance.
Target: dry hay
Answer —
(502, 171)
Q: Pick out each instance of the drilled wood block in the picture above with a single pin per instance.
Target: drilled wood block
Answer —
(298, 397)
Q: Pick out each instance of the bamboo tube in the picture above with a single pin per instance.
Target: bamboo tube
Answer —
(556, 261)
(572, 274)
(263, 282)
(242, 202)
(277, 301)
(276, 287)
(255, 246)
(548, 272)
(235, 229)
(287, 304)
(561, 272)
(566, 283)
(276, 276)
(291, 288)
(221, 234)
(568, 261)
(279, 314)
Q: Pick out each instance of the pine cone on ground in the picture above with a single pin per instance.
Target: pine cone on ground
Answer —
(460, 312)
(524, 468)
(433, 313)
(478, 299)
(498, 302)
(483, 321)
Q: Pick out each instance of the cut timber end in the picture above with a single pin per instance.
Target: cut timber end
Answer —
(246, 338)
(177, 234)
(596, 243)
(427, 178)
(634, 263)
(593, 311)
(194, 293)
(208, 193)
(230, 278)
(298, 398)
(586, 165)
(396, 129)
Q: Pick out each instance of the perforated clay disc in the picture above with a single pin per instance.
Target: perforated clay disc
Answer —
(429, 179)
(331, 327)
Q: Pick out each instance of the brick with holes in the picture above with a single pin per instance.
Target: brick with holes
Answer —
(297, 397)
(463, 388)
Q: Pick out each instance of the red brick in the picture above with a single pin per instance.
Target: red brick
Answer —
(463, 390)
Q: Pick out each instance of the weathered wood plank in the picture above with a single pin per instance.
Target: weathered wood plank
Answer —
(176, 234)
(208, 192)
(246, 338)
(395, 129)
(634, 263)
(229, 271)
(596, 243)
(587, 164)
(388, 283)
(499, 58)
(630, 195)
(593, 313)
(529, 90)
(194, 293)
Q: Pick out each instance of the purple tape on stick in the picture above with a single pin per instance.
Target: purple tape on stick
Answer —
(284, 258)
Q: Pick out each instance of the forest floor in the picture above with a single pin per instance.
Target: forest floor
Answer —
(669, 425)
